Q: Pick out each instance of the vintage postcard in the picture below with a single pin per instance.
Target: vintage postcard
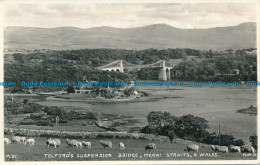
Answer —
(129, 82)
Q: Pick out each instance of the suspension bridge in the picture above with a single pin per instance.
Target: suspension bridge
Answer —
(164, 73)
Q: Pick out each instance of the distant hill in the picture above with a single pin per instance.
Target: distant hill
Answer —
(158, 36)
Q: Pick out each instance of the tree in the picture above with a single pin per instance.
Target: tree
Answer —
(160, 123)
(25, 101)
(239, 142)
(71, 89)
(191, 127)
(225, 139)
(171, 135)
(151, 129)
(8, 116)
(253, 140)
(168, 130)
(159, 118)
(144, 74)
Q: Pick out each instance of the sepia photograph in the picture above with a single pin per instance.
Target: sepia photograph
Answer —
(132, 82)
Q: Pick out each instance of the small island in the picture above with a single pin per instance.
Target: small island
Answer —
(105, 94)
(250, 110)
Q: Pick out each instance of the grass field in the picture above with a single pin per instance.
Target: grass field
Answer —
(135, 150)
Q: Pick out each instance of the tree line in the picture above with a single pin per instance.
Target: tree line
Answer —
(189, 127)
(218, 68)
(75, 65)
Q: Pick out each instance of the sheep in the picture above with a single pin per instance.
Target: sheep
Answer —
(72, 143)
(6, 141)
(57, 141)
(15, 139)
(192, 147)
(150, 146)
(22, 140)
(216, 148)
(121, 146)
(30, 141)
(80, 145)
(248, 149)
(233, 148)
(106, 144)
(28, 116)
(213, 147)
(51, 142)
(86, 144)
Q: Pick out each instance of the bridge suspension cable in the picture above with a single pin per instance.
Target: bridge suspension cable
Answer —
(158, 64)
(129, 65)
(110, 64)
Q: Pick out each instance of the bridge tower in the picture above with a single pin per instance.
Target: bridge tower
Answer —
(162, 74)
(121, 67)
(168, 73)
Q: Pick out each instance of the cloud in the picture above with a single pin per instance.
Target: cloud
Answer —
(129, 15)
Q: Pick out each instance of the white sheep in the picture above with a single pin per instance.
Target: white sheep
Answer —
(216, 148)
(72, 143)
(51, 142)
(6, 141)
(22, 140)
(106, 144)
(248, 149)
(86, 144)
(235, 149)
(121, 146)
(30, 141)
(80, 144)
(150, 146)
(28, 116)
(192, 147)
(15, 139)
(57, 141)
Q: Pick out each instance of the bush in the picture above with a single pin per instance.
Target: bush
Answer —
(135, 129)
(111, 129)
(71, 89)
(108, 136)
(63, 121)
(171, 135)
(253, 140)
(45, 123)
(145, 93)
(25, 101)
(37, 116)
(239, 142)
(72, 115)
(225, 140)
(211, 138)
(129, 91)
(28, 123)
(151, 129)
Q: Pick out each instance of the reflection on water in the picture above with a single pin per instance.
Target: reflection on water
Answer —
(214, 104)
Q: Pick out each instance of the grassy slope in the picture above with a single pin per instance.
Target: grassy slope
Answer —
(27, 153)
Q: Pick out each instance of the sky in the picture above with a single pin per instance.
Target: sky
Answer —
(182, 15)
